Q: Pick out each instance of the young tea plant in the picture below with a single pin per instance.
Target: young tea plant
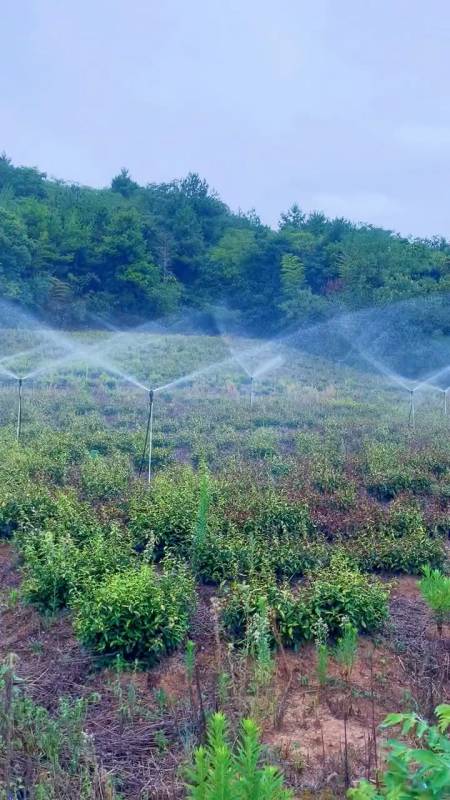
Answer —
(201, 526)
(260, 645)
(345, 650)
(322, 652)
(435, 590)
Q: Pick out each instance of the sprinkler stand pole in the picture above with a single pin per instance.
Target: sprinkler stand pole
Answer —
(445, 402)
(19, 412)
(252, 394)
(412, 411)
(150, 436)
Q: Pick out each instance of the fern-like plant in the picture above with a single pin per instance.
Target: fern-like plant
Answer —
(435, 589)
(221, 773)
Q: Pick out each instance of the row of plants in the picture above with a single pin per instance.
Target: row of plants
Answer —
(126, 543)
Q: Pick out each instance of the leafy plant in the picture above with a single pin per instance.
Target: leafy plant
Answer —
(334, 594)
(411, 771)
(138, 613)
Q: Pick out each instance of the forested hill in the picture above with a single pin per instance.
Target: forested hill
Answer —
(135, 252)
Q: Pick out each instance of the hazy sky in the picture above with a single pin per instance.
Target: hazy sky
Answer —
(340, 105)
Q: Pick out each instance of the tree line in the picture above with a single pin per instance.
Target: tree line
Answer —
(132, 252)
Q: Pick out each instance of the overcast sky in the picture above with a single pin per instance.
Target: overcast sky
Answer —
(340, 105)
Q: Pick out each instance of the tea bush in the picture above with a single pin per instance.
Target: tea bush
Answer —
(279, 539)
(401, 544)
(391, 470)
(105, 478)
(24, 507)
(137, 614)
(57, 569)
(64, 514)
(263, 443)
(332, 594)
(341, 590)
(167, 514)
(50, 567)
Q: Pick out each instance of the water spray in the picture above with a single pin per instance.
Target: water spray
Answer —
(148, 438)
(19, 411)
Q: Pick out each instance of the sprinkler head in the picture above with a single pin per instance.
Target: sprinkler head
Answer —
(151, 395)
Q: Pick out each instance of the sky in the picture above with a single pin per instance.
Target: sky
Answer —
(340, 105)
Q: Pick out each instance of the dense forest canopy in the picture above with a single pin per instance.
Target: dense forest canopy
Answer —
(132, 252)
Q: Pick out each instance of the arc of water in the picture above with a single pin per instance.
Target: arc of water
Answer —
(434, 376)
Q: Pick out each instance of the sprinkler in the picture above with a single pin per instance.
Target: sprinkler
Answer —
(412, 410)
(19, 411)
(148, 438)
(252, 391)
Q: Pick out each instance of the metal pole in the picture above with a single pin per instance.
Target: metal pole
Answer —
(147, 432)
(252, 394)
(19, 412)
(412, 411)
(150, 438)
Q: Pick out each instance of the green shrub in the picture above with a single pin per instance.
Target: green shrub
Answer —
(401, 544)
(64, 514)
(57, 569)
(105, 478)
(391, 470)
(333, 594)
(51, 564)
(282, 538)
(263, 443)
(341, 590)
(279, 540)
(137, 614)
(276, 517)
(25, 507)
(55, 454)
(166, 514)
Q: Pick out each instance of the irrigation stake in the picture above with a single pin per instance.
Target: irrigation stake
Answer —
(19, 411)
(412, 410)
(148, 438)
(252, 392)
